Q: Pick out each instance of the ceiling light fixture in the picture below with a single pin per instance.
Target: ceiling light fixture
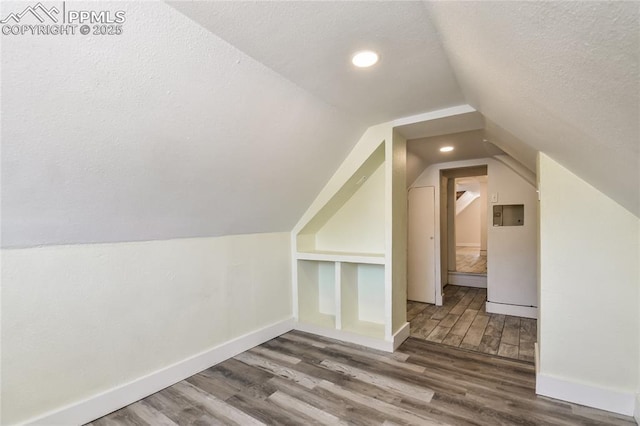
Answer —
(364, 58)
(446, 149)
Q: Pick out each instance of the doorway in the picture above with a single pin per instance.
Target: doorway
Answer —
(469, 232)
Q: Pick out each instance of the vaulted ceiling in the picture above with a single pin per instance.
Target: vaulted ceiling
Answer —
(217, 118)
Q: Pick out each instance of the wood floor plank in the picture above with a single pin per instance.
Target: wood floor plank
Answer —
(509, 351)
(216, 407)
(489, 344)
(150, 415)
(278, 370)
(438, 334)
(511, 331)
(423, 330)
(449, 320)
(462, 326)
(290, 403)
(464, 303)
(276, 356)
(354, 414)
(476, 331)
(377, 405)
(495, 325)
(405, 389)
(379, 357)
(453, 339)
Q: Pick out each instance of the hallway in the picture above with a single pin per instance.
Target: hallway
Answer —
(463, 322)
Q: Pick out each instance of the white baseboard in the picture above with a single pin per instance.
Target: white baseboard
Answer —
(514, 310)
(401, 335)
(468, 245)
(583, 394)
(358, 339)
(467, 280)
(483, 252)
(106, 402)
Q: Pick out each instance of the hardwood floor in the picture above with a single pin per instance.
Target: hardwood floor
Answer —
(469, 260)
(463, 322)
(301, 379)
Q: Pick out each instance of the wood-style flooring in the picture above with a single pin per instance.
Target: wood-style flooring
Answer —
(469, 260)
(463, 322)
(301, 379)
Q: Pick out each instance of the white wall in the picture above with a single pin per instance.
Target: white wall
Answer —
(468, 225)
(358, 226)
(512, 253)
(82, 319)
(589, 284)
(165, 131)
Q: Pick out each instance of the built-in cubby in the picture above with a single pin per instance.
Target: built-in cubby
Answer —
(362, 299)
(317, 293)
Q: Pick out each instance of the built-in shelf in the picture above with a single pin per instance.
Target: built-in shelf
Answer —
(337, 256)
(342, 277)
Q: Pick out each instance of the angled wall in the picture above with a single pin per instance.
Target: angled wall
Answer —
(589, 285)
(165, 131)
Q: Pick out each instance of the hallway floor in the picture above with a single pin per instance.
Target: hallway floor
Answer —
(469, 260)
(463, 322)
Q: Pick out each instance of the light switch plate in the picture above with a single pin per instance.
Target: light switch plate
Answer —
(494, 197)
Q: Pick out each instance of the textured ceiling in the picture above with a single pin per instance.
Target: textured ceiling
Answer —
(233, 123)
(165, 131)
(311, 43)
(561, 76)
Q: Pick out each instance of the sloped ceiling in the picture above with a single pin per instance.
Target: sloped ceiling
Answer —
(561, 76)
(164, 131)
(229, 117)
(311, 44)
(169, 131)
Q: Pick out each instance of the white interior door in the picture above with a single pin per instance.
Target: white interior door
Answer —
(421, 272)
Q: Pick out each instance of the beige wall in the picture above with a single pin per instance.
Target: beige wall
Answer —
(468, 225)
(83, 319)
(358, 226)
(589, 284)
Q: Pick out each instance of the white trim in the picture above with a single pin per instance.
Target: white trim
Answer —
(433, 115)
(113, 399)
(401, 335)
(514, 310)
(580, 393)
(358, 339)
(467, 280)
(475, 245)
(367, 258)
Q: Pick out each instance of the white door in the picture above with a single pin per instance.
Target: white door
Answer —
(421, 272)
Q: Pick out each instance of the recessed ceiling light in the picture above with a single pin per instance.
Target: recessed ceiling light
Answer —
(446, 149)
(365, 58)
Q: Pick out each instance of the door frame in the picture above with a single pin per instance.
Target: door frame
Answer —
(447, 213)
